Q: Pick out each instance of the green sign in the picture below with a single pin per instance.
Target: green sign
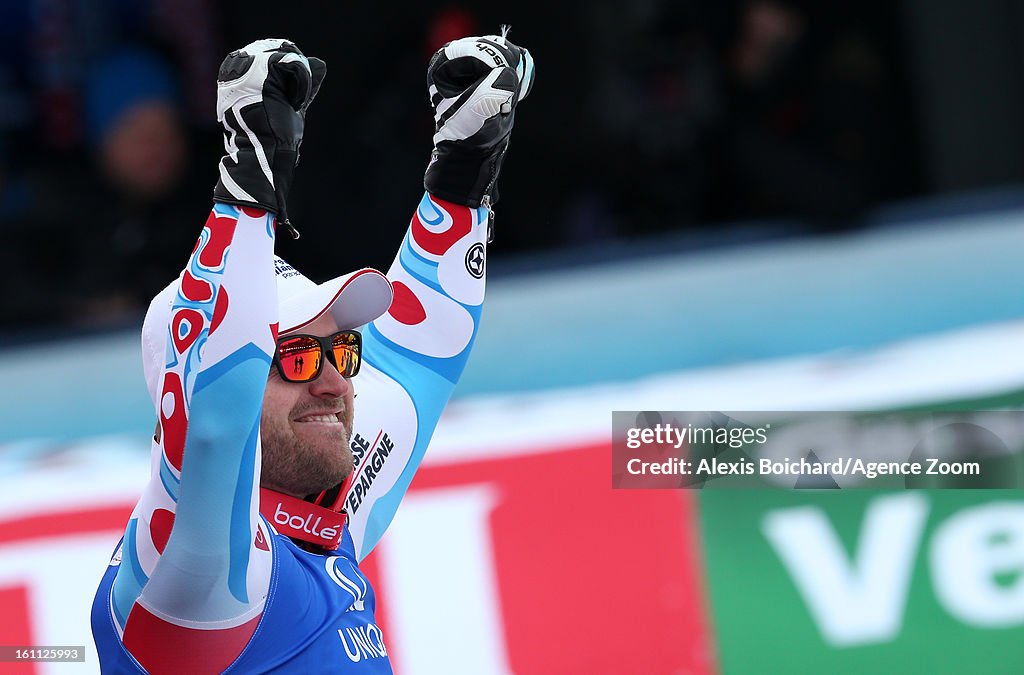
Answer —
(837, 581)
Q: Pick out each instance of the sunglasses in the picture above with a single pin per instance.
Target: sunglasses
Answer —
(300, 358)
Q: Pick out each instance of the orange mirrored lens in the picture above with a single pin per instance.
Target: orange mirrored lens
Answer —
(300, 358)
(346, 348)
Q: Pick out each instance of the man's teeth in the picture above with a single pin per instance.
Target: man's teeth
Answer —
(320, 418)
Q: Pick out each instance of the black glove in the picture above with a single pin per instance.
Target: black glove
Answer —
(475, 85)
(263, 91)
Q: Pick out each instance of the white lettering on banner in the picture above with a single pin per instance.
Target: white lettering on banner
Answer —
(856, 603)
(968, 555)
(440, 546)
(59, 594)
(367, 642)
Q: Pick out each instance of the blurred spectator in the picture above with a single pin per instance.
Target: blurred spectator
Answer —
(102, 236)
(47, 48)
(133, 120)
(655, 99)
(656, 116)
(95, 123)
(805, 135)
(449, 23)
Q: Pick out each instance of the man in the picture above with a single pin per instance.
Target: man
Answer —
(201, 582)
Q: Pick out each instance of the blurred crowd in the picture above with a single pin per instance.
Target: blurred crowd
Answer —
(647, 117)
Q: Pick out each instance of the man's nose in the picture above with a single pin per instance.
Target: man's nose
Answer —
(330, 384)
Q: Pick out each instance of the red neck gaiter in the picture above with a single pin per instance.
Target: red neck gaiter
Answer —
(299, 519)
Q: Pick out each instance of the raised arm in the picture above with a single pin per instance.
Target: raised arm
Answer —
(416, 352)
(196, 560)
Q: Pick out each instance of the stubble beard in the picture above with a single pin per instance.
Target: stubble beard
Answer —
(301, 467)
